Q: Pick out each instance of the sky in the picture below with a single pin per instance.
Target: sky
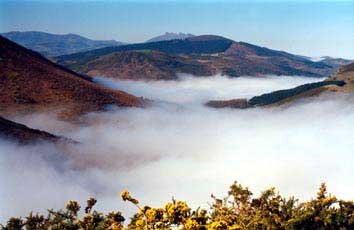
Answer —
(312, 28)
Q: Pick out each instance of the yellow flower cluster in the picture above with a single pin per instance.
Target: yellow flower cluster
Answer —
(125, 195)
(191, 224)
(177, 212)
(116, 226)
(218, 225)
(154, 215)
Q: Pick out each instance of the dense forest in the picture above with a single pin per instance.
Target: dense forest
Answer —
(238, 210)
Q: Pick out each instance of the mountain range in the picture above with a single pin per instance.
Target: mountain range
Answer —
(163, 57)
(29, 82)
(51, 45)
(203, 55)
(56, 44)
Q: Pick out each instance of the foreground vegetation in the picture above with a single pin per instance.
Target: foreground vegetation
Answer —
(238, 210)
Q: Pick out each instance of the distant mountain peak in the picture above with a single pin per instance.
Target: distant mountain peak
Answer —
(170, 36)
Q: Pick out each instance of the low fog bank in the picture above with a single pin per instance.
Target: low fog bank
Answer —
(198, 90)
(177, 149)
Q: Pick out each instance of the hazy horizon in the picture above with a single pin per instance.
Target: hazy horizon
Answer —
(316, 28)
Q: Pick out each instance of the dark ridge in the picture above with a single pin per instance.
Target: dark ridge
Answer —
(23, 134)
(270, 98)
(276, 96)
(207, 37)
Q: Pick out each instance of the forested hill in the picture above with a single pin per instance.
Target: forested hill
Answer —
(206, 44)
(204, 55)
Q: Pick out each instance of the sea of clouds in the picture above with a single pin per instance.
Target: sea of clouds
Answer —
(180, 148)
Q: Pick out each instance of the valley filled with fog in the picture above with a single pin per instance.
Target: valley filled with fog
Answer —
(179, 148)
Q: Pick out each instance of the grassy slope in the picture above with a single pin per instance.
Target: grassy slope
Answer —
(28, 81)
(345, 74)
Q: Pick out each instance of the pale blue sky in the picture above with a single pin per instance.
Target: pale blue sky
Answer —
(312, 28)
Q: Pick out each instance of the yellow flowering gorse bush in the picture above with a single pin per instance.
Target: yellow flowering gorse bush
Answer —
(239, 210)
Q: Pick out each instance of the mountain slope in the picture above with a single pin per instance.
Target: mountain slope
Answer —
(170, 36)
(30, 82)
(346, 74)
(205, 44)
(276, 62)
(278, 97)
(208, 54)
(335, 62)
(346, 69)
(331, 61)
(342, 81)
(144, 64)
(23, 134)
(55, 44)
